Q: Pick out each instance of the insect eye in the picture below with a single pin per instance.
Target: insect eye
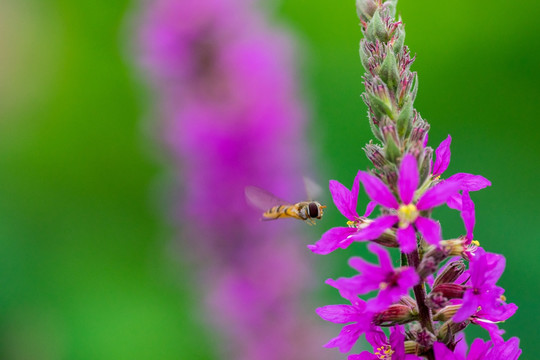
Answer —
(313, 210)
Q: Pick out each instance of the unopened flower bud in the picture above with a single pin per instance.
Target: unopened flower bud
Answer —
(376, 29)
(449, 329)
(388, 71)
(404, 119)
(409, 301)
(412, 347)
(365, 9)
(375, 155)
(430, 262)
(450, 291)
(450, 273)
(395, 314)
(425, 167)
(446, 313)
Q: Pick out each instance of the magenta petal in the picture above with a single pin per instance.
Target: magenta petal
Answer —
(384, 257)
(442, 159)
(375, 229)
(478, 349)
(504, 350)
(467, 214)
(494, 332)
(407, 239)
(332, 239)
(470, 182)
(378, 191)
(443, 353)
(397, 342)
(437, 195)
(347, 338)
(454, 202)
(430, 230)
(408, 178)
(339, 314)
(369, 208)
(468, 308)
(344, 199)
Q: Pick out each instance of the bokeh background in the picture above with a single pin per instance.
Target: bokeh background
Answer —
(85, 269)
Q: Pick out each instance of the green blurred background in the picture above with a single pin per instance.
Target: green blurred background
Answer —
(85, 269)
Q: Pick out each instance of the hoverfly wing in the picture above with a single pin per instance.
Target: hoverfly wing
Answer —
(313, 190)
(262, 199)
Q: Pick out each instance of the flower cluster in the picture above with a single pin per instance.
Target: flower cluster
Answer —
(408, 181)
(227, 96)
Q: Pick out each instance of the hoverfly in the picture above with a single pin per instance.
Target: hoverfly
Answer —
(275, 208)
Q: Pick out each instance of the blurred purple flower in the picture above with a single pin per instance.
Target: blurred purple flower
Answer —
(225, 85)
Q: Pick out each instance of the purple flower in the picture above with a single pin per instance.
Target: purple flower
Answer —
(485, 270)
(346, 201)
(481, 350)
(406, 211)
(384, 348)
(357, 313)
(391, 283)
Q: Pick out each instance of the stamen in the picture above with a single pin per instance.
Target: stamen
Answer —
(407, 214)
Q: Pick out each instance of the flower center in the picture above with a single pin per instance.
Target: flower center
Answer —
(407, 215)
(384, 352)
(390, 281)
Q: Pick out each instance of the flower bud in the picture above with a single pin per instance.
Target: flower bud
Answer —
(446, 313)
(449, 329)
(375, 155)
(391, 149)
(430, 262)
(412, 347)
(398, 40)
(409, 301)
(450, 291)
(395, 314)
(366, 8)
(404, 119)
(388, 71)
(425, 167)
(379, 102)
(450, 273)
(376, 29)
